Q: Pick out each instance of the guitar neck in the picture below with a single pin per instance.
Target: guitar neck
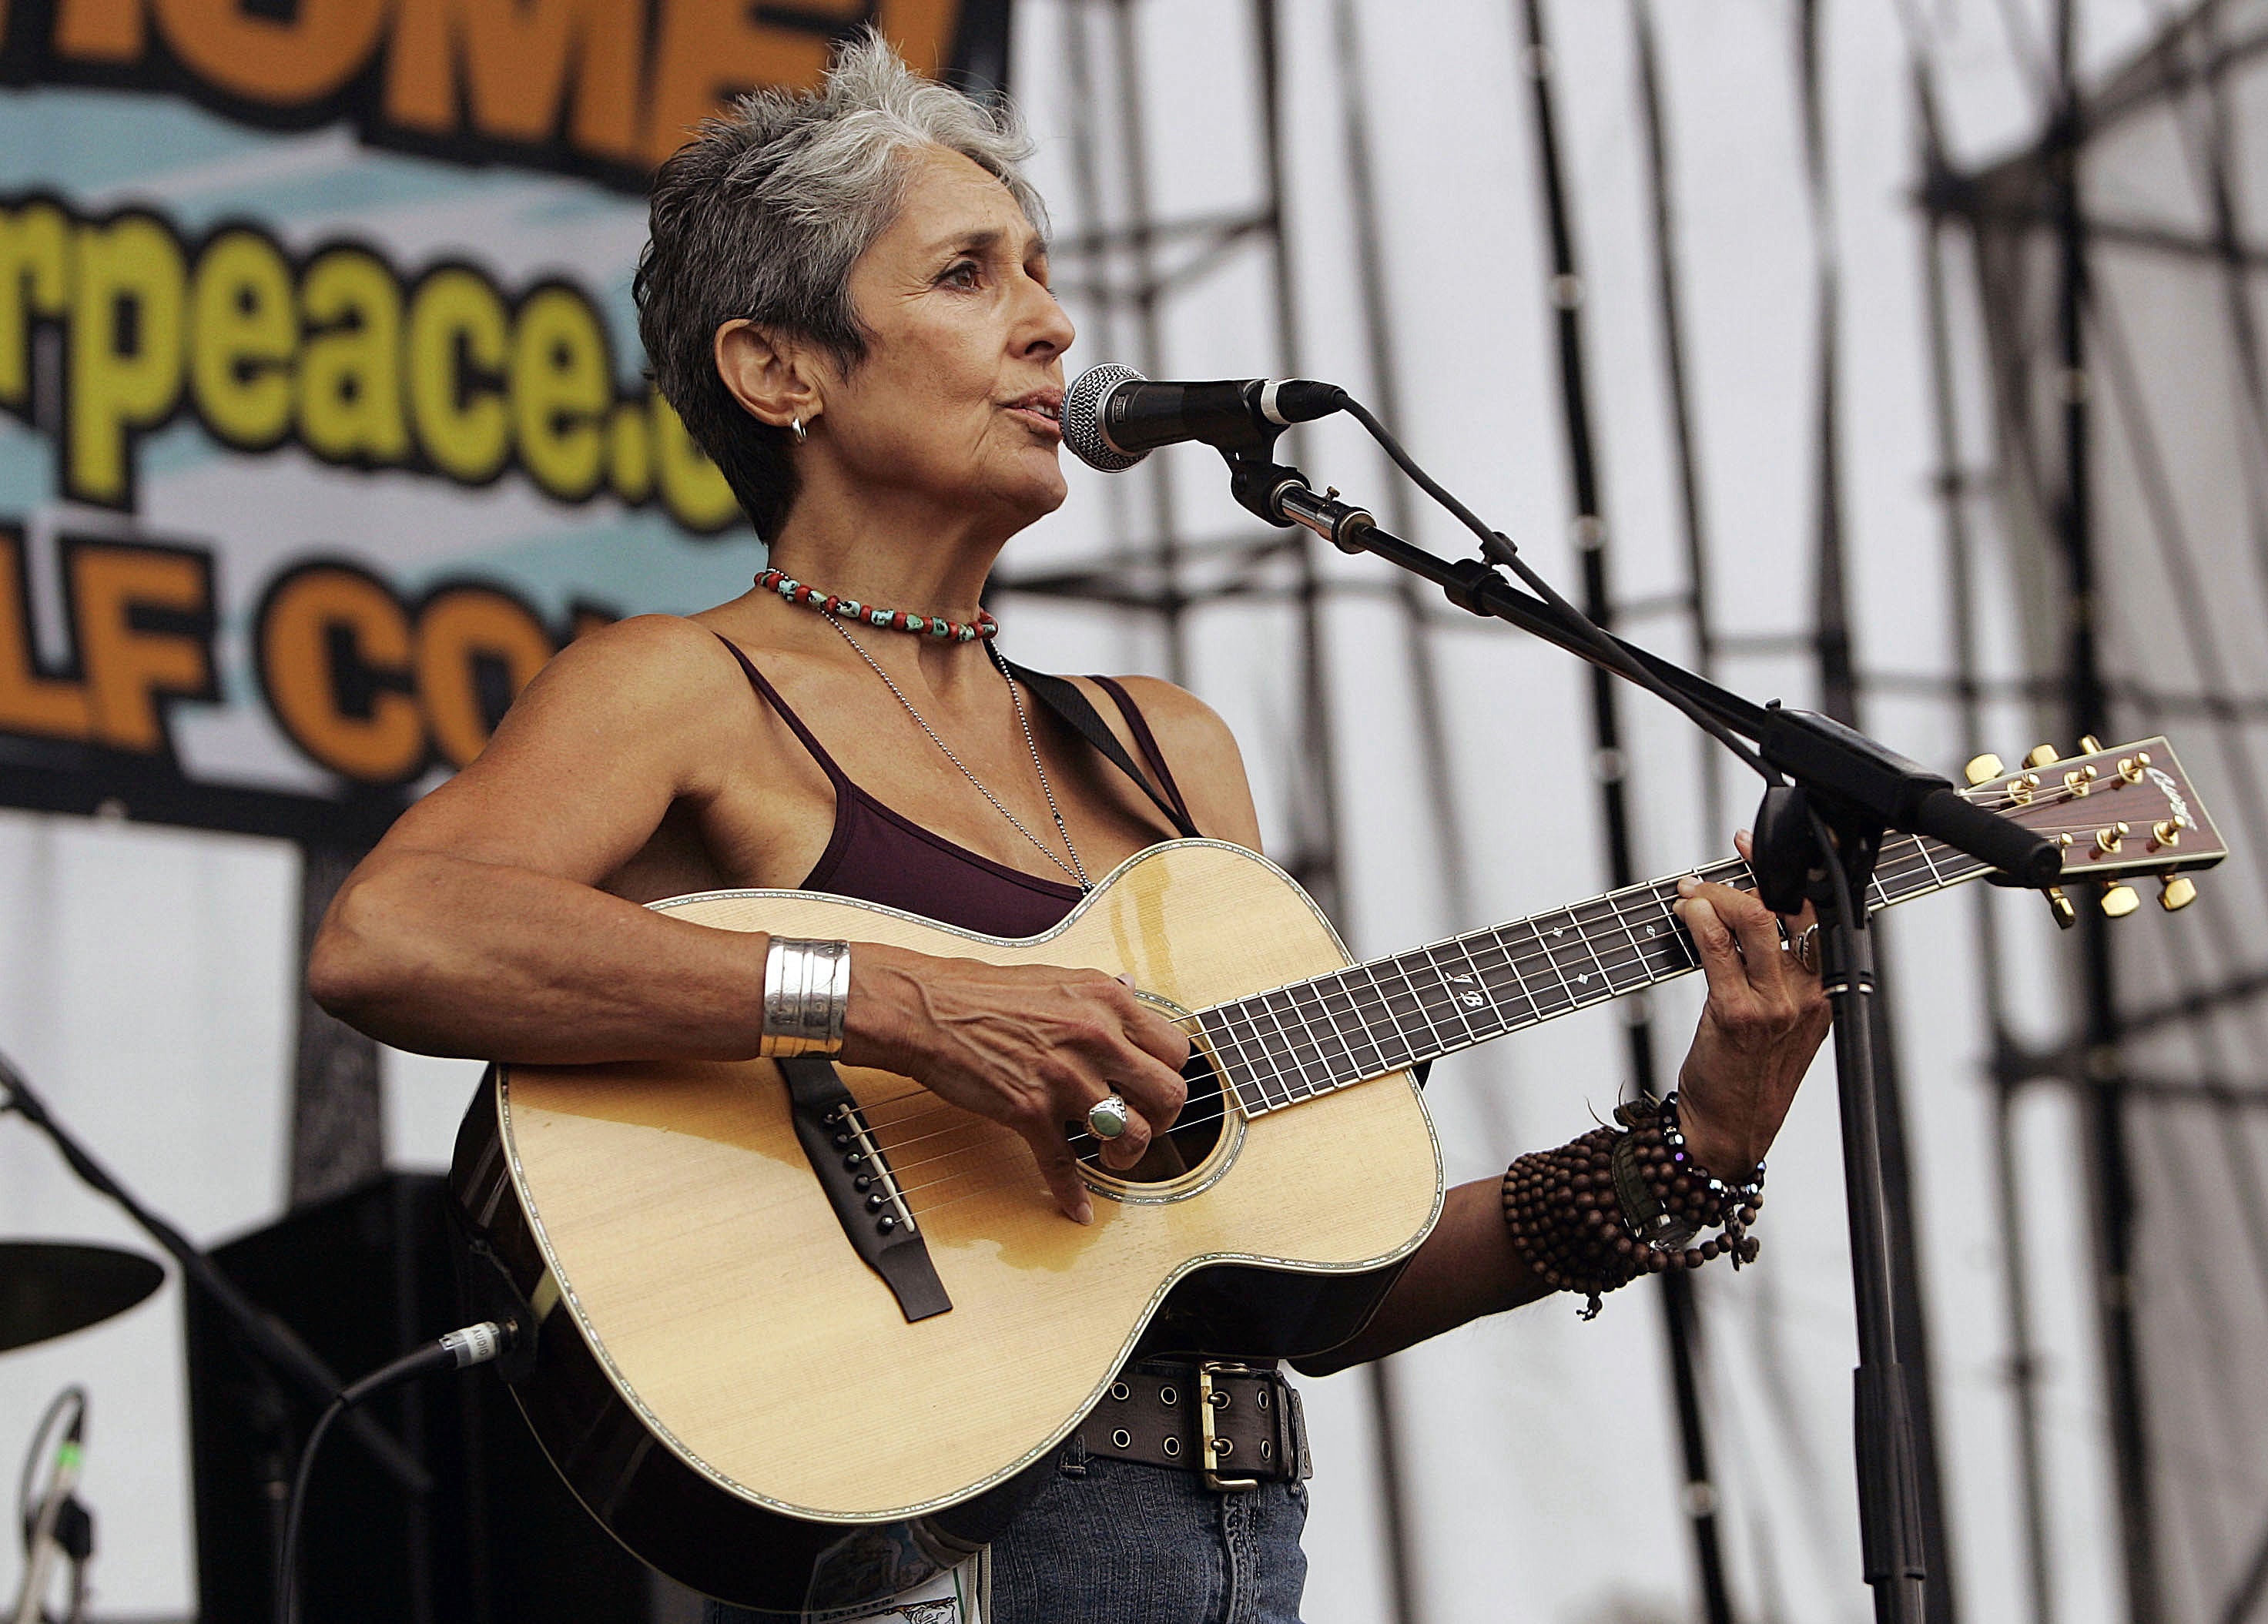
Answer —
(1293, 1043)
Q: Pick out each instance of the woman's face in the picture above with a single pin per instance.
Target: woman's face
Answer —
(957, 398)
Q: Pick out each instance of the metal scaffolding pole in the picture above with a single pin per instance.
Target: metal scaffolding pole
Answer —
(1149, 346)
(1681, 1326)
(1380, 1374)
(1691, 513)
(2102, 1108)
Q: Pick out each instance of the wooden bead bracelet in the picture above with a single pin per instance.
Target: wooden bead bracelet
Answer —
(1596, 1214)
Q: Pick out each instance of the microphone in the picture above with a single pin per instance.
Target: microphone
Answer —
(1113, 416)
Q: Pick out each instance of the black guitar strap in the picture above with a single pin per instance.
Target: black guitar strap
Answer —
(1065, 699)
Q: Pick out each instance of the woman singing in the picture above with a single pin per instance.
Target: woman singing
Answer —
(846, 298)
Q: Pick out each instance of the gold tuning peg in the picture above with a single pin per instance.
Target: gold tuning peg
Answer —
(2177, 891)
(2119, 898)
(2042, 755)
(1983, 768)
(2066, 916)
(2090, 744)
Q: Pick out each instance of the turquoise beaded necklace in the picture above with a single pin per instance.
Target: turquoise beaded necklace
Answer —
(984, 629)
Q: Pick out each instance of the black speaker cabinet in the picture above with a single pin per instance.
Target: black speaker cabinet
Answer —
(363, 1278)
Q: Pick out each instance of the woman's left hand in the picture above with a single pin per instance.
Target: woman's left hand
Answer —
(1763, 1022)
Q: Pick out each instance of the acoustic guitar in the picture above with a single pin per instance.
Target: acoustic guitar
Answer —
(805, 1335)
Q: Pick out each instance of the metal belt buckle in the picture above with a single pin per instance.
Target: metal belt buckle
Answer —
(1217, 1448)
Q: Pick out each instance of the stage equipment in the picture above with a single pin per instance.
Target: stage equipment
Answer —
(497, 1541)
(49, 1289)
(272, 1342)
(61, 1526)
(1832, 795)
(727, 1367)
(457, 1350)
(1113, 416)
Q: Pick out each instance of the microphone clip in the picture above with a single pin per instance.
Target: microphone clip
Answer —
(1259, 483)
(1282, 496)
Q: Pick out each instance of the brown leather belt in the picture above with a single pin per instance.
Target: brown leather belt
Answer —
(1237, 1424)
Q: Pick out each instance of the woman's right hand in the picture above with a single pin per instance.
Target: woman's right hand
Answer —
(1030, 1047)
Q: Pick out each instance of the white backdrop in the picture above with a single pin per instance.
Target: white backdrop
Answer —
(146, 976)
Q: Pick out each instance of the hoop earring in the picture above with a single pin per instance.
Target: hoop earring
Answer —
(797, 428)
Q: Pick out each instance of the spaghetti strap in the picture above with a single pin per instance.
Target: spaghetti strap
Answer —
(1153, 757)
(840, 779)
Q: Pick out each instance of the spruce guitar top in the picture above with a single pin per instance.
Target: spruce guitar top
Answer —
(804, 1330)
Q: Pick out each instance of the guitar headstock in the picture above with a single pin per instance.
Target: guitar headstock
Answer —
(2116, 812)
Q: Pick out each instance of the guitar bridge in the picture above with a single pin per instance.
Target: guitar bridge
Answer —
(851, 1166)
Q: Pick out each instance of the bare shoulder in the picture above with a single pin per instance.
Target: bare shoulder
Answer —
(590, 757)
(649, 660)
(1203, 753)
(657, 677)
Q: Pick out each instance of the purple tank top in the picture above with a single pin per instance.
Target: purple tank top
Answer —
(876, 854)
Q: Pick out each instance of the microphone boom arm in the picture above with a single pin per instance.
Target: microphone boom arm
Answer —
(1838, 765)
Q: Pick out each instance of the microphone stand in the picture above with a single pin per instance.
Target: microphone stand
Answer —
(1816, 838)
(268, 1340)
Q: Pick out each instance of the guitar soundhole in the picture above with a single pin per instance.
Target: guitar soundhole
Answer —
(1192, 1140)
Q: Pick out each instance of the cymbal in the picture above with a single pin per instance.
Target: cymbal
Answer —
(47, 1287)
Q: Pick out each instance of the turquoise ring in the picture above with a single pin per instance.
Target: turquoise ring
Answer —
(1108, 1118)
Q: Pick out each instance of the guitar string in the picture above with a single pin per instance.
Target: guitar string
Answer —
(1429, 1003)
(1683, 965)
(1654, 892)
(1195, 1020)
(1511, 963)
(1907, 870)
(1433, 1005)
(1688, 963)
(1898, 864)
(1623, 959)
(1425, 1004)
(1912, 861)
(1637, 953)
(992, 1169)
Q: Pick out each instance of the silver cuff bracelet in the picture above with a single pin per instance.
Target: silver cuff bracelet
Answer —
(807, 988)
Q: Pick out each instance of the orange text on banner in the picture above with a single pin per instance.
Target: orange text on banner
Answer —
(142, 627)
(610, 87)
(378, 689)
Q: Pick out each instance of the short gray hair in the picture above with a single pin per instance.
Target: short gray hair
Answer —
(763, 215)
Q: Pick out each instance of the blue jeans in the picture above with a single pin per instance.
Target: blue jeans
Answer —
(1119, 1542)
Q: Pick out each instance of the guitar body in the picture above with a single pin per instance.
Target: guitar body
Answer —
(740, 1399)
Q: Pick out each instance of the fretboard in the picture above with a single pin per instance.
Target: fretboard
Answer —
(1292, 1043)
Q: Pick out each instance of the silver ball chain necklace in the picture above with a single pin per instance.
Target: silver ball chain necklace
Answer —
(1074, 869)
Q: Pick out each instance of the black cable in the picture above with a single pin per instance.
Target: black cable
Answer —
(1846, 894)
(287, 1566)
(472, 1344)
(1498, 549)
